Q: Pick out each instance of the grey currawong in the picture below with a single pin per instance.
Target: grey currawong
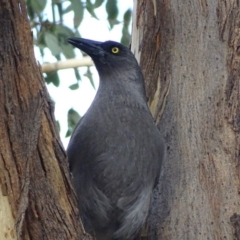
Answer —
(116, 151)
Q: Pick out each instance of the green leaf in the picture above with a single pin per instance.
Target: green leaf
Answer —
(56, 1)
(77, 75)
(126, 37)
(78, 9)
(112, 11)
(73, 118)
(90, 8)
(40, 38)
(88, 74)
(77, 34)
(30, 9)
(68, 133)
(68, 51)
(53, 78)
(60, 11)
(52, 43)
(74, 86)
(41, 52)
(67, 9)
(58, 57)
(127, 17)
(38, 5)
(98, 3)
(62, 32)
(58, 126)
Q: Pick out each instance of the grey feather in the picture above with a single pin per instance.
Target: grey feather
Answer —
(116, 151)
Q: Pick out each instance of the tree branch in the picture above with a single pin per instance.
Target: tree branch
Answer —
(70, 63)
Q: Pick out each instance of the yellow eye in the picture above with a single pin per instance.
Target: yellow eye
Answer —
(115, 50)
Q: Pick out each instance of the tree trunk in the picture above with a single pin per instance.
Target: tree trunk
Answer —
(189, 53)
(36, 197)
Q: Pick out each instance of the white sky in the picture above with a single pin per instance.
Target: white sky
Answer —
(81, 98)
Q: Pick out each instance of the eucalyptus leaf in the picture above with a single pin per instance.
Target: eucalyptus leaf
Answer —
(98, 3)
(68, 133)
(77, 75)
(41, 52)
(90, 8)
(53, 78)
(60, 11)
(40, 37)
(58, 57)
(74, 86)
(38, 5)
(68, 51)
(126, 37)
(78, 9)
(58, 126)
(89, 75)
(30, 9)
(127, 17)
(62, 33)
(56, 1)
(67, 9)
(73, 117)
(52, 43)
(63, 30)
(77, 34)
(112, 11)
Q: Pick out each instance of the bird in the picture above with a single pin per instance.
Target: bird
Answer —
(116, 151)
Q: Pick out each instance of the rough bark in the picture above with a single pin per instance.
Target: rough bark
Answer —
(189, 53)
(36, 197)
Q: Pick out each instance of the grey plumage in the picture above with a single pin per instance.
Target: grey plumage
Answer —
(116, 150)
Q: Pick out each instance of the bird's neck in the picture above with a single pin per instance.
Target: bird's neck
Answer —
(128, 93)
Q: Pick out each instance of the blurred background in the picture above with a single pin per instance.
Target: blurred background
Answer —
(52, 22)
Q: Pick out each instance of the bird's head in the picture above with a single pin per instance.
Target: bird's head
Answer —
(109, 56)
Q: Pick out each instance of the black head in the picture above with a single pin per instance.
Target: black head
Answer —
(107, 56)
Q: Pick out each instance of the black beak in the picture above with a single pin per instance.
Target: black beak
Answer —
(90, 47)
